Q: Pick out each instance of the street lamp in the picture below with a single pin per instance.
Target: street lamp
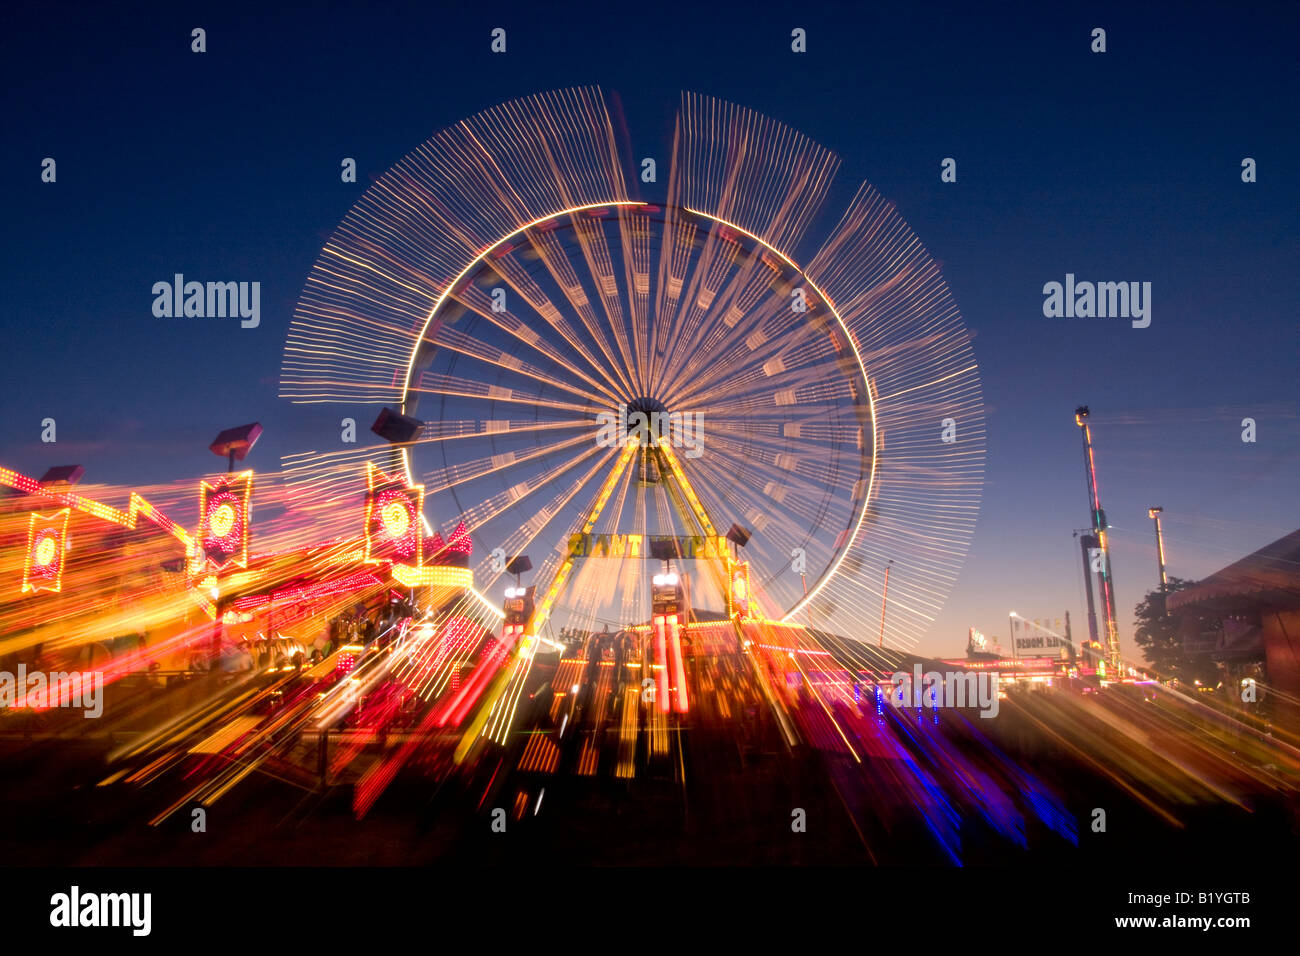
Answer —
(234, 444)
(518, 565)
(396, 428)
(739, 536)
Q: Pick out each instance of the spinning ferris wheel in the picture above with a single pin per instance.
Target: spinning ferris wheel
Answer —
(598, 370)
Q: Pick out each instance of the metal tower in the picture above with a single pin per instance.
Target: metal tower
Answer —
(1099, 527)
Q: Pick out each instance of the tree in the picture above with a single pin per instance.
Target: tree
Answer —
(1161, 637)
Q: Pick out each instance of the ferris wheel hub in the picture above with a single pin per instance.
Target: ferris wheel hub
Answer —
(648, 407)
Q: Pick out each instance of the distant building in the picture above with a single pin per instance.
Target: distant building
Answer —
(1258, 600)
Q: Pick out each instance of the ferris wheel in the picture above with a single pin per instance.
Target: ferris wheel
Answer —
(601, 371)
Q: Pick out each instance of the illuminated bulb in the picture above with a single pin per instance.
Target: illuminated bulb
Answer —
(222, 520)
(46, 551)
(397, 520)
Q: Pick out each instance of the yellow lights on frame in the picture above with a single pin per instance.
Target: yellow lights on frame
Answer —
(224, 516)
(46, 550)
(394, 531)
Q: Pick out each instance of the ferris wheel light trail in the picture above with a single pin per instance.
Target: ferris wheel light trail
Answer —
(501, 285)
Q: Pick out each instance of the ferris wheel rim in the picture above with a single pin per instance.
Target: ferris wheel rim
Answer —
(859, 505)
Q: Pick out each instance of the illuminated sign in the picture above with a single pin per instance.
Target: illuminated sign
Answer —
(396, 519)
(222, 521)
(393, 511)
(636, 546)
(433, 576)
(455, 551)
(224, 515)
(127, 519)
(739, 598)
(1034, 638)
(46, 546)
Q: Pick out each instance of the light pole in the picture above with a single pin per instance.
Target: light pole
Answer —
(1154, 515)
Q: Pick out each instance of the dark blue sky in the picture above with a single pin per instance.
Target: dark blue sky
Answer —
(1121, 166)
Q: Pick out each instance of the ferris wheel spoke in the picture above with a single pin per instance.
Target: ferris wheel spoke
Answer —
(635, 231)
(772, 382)
(476, 429)
(566, 277)
(547, 315)
(526, 333)
(694, 288)
(541, 517)
(780, 393)
(747, 300)
(749, 169)
(679, 237)
(958, 375)
(600, 266)
(464, 471)
(440, 383)
(782, 489)
(703, 286)
(763, 335)
(771, 323)
(816, 425)
(742, 303)
(496, 505)
(778, 531)
(492, 355)
(806, 503)
(787, 450)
